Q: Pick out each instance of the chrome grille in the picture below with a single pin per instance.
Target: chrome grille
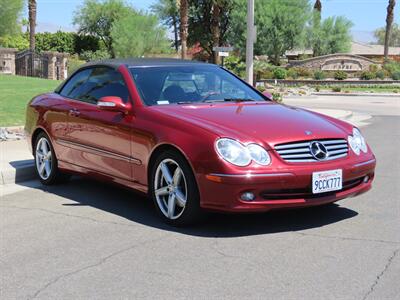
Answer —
(300, 151)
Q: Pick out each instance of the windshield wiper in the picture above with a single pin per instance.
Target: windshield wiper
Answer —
(228, 100)
(239, 99)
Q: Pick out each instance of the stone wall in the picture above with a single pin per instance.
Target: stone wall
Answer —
(55, 63)
(7, 61)
(334, 62)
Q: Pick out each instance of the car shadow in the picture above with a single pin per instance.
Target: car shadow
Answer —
(139, 209)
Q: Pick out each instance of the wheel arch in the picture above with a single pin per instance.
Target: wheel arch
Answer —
(35, 134)
(162, 148)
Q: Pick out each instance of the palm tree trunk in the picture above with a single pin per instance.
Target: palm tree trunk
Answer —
(32, 23)
(317, 25)
(389, 22)
(318, 6)
(175, 25)
(216, 31)
(184, 14)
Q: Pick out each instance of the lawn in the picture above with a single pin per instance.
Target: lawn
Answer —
(15, 93)
(388, 89)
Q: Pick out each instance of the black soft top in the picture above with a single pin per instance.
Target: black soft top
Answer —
(141, 62)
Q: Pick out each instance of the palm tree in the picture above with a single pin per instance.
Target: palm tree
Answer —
(316, 30)
(389, 22)
(216, 29)
(184, 15)
(318, 6)
(167, 11)
(32, 23)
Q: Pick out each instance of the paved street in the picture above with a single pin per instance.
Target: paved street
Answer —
(87, 239)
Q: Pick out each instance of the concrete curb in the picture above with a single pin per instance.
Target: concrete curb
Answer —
(335, 113)
(355, 94)
(19, 171)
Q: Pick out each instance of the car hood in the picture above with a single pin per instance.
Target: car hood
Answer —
(268, 123)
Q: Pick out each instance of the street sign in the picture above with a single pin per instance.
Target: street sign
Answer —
(223, 54)
(222, 49)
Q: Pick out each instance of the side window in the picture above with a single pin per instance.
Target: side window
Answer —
(103, 82)
(72, 87)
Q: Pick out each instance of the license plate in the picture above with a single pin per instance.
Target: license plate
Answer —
(326, 181)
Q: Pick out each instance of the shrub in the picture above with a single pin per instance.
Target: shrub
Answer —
(373, 68)
(279, 73)
(336, 89)
(18, 41)
(396, 75)
(266, 75)
(96, 55)
(292, 73)
(317, 88)
(73, 63)
(391, 67)
(261, 88)
(319, 75)
(367, 75)
(340, 75)
(380, 74)
(277, 97)
(236, 66)
(303, 72)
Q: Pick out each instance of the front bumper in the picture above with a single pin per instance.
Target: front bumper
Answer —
(285, 188)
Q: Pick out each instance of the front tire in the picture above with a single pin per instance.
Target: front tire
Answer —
(174, 190)
(46, 164)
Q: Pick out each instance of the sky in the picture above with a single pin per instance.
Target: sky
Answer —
(366, 15)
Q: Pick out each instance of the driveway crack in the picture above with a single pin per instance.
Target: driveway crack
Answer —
(67, 215)
(380, 275)
(346, 238)
(100, 262)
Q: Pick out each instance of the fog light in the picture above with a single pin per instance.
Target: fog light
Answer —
(366, 178)
(247, 196)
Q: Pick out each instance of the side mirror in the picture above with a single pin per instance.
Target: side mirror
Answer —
(112, 103)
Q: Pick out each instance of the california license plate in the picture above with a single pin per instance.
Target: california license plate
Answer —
(326, 181)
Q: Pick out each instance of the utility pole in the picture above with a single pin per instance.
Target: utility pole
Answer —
(250, 41)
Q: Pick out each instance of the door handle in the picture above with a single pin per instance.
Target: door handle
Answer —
(74, 112)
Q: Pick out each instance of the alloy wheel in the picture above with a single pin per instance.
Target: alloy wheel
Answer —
(43, 157)
(170, 189)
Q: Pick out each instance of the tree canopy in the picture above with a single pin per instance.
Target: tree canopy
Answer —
(168, 12)
(96, 18)
(394, 40)
(209, 21)
(10, 12)
(138, 34)
(332, 35)
(280, 26)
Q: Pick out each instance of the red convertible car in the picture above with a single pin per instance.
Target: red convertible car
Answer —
(194, 137)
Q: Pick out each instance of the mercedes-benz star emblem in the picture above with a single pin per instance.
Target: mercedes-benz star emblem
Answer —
(318, 150)
(308, 132)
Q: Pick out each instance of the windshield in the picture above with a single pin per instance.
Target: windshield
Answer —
(190, 84)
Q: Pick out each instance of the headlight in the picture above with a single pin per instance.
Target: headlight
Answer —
(357, 142)
(240, 155)
(259, 154)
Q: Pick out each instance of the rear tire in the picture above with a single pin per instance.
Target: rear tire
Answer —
(174, 190)
(46, 164)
